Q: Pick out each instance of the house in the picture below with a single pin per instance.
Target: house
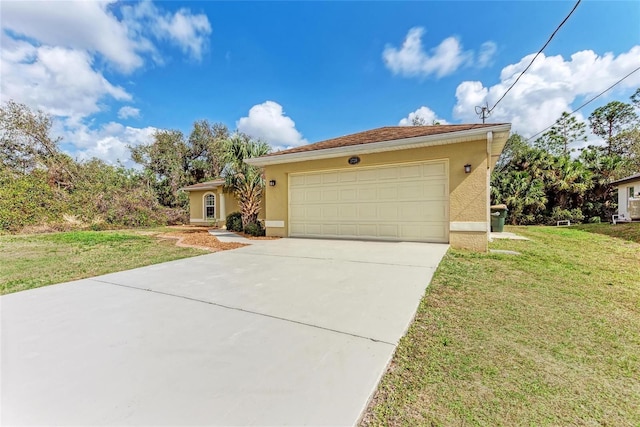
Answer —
(628, 197)
(417, 183)
(209, 203)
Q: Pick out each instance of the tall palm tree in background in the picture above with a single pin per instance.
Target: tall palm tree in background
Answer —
(246, 182)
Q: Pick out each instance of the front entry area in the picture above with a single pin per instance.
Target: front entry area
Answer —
(403, 202)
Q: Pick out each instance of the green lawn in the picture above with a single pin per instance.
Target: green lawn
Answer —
(549, 337)
(31, 261)
(627, 231)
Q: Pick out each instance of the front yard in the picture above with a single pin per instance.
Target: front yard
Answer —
(31, 261)
(549, 337)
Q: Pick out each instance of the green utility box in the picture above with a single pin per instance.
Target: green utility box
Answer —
(498, 215)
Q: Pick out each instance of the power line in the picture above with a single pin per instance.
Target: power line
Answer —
(531, 63)
(588, 102)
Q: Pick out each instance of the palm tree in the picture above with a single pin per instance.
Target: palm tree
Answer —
(246, 182)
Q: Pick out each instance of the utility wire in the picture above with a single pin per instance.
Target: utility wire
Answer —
(537, 54)
(588, 102)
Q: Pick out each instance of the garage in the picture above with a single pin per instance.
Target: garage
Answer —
(407, 202)
(395, 183)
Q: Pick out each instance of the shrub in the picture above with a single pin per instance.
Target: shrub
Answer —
(254, 229)
(594, 220)
(234, 221)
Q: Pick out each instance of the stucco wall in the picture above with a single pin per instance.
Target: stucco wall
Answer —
(468, 192)
(196, 206)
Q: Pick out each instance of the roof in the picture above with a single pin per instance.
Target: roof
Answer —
(388, 133)
(634, 177)
(209, 185)
(383, 139)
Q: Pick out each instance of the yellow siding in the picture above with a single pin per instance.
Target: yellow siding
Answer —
(468, 192)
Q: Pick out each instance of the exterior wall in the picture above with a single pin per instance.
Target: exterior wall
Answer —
(623, 196)
(468, 201)
(196, 206)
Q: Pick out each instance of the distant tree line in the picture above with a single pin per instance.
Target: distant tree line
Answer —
(40, 186)
(551, 179)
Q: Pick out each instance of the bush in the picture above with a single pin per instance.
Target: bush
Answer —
(234, 221)
(594, 220)
(254, 229)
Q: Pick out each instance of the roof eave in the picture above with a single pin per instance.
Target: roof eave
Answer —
(378, 147)
(626, 180)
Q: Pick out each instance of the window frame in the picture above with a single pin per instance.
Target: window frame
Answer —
(206, 205)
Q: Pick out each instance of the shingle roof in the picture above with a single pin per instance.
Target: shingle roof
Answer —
(388, 133)
(204, 185)
(627, 179)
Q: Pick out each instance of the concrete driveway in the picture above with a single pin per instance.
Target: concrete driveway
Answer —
(283, 332)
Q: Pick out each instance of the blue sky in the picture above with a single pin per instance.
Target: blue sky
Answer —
(110, 73)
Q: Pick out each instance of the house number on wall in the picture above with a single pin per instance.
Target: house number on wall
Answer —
(354, 160)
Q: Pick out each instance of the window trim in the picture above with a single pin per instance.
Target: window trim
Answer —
(205, 206)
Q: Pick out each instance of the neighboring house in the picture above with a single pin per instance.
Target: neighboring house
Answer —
(209, 204)
(416, 183)
(628, 197)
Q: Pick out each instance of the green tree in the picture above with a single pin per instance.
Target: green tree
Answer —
(566, 131)
(610, 120)
(170, 161)
(26, 144)
(245, 181)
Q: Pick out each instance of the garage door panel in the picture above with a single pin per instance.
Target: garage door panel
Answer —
(347, 177)
(367, 194)
(434, 169)
(348, 194)
(401, 202)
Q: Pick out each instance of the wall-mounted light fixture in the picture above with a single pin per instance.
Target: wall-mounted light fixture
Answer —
(467, 168)
(272, 183)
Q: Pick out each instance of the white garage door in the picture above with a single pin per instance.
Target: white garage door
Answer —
(396, 202)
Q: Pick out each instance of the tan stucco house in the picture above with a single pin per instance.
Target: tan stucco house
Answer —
(209, 204)
(628, 197)
(418, 183)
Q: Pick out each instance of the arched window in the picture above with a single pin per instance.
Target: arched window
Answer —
(210, 206)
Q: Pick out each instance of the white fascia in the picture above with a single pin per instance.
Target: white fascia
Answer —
(378, 147)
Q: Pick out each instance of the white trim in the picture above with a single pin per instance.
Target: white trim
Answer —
(468, 226)
(274, 223)
(204, 205)
(378, 147)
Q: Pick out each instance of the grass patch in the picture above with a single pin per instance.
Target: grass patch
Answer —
(627, 231)
(31, 261)
(550, 337)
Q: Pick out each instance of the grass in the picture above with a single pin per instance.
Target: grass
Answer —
(550, 337)
(628, 231)
(31, 261)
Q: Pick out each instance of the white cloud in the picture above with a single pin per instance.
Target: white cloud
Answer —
(411, 59)
(424, 113)
(58, 80)
(83, 25)
(267, 121)
(109, 142)
(187, 31)
(128, 112)
(54, 55)
(552, 85)
(486, 54)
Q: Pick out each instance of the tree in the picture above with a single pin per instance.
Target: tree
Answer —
(26, 144)
(515, 145)
(171, 161)
(566, 131)
(418, 121)
(609, 120)
(245, 181)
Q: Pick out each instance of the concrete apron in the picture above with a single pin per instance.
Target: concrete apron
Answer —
(290, 332)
